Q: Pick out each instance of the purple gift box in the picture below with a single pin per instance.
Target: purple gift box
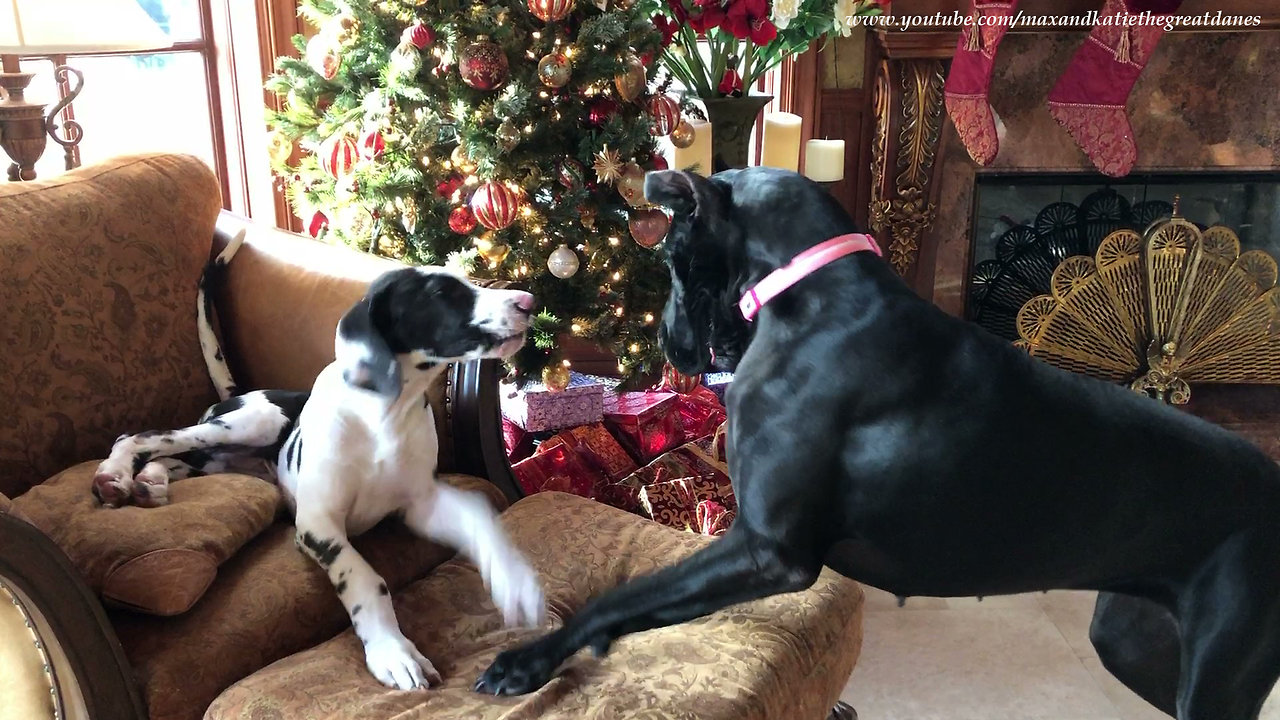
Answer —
(536, 409)
(718, 383)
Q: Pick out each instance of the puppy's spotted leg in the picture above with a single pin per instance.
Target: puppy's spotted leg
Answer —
(465, 520)
(248, 421)
(389, 655)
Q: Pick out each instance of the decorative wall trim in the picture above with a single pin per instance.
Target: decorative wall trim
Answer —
(901, 210)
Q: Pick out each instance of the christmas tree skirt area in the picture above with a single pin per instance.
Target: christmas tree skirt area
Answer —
(657, 453)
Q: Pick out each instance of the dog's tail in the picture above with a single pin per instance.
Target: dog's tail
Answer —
(214, 359)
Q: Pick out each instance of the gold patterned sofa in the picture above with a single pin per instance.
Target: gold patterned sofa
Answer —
(97, 290)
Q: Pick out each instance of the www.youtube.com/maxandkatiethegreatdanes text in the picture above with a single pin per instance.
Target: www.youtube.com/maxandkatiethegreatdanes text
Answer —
(944, 21)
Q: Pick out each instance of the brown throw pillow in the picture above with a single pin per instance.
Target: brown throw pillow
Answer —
(152, 560)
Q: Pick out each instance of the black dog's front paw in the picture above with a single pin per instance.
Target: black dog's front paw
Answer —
(522, 670)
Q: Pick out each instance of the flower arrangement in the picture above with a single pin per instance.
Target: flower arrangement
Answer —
(746, 38)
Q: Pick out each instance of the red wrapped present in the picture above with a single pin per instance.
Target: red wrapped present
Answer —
(688, 488)
(518, 441)
(647, 424)
(557, 468)
(597, 449)
(700, 413)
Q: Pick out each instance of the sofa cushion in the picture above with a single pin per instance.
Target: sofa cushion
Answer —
(98, 272)
(268, 601)
(154, 560)
(783, 657)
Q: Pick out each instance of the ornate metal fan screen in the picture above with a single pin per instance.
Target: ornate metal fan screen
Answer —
(1160, 310)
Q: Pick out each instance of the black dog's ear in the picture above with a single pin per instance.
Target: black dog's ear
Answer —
(363, 354)
(675, 189)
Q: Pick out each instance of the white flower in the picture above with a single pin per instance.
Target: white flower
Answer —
(844, 12)
(784, 11)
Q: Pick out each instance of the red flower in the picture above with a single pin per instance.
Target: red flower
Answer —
(667, 27)
(677, 10)
(750, 19)
(711, 17)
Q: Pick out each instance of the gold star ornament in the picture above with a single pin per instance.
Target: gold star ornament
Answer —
(608, 165)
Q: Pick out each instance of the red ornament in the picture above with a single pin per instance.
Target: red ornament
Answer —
(318, 224)
(648, 226)
(666, 114)
(550, 10)
(601, 110)
(338, 155)
(419, 35)
(322, 103)
(461, 220)
(372, 145)
(731, 83)
(676, 381)
(483, 65)
(495, 205)
(658, 162)
(449, 185)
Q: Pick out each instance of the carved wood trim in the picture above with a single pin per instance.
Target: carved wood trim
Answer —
(908, 100)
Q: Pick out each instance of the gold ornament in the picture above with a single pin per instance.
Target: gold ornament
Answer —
(631, 185)
(408, 213)
(279, 148)
(631, 81)
(554, 70)
(508, 135)
(588, 217)
(461, 162)
(494, 252)
(391, 246)
(608, 165)
(343, 28)
(555, 377)
(683, 135)
(563, 262)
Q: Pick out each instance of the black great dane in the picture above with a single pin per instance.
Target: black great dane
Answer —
(909, 450)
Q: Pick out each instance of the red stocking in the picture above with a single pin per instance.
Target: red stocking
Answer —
(1089, 99)
(970, 78)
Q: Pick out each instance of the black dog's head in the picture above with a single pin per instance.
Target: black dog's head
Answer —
(727, 232)
(430, 315)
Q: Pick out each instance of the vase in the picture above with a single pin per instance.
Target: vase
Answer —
(732, 119)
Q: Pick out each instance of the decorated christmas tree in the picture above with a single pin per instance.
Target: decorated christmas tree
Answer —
(506, 138)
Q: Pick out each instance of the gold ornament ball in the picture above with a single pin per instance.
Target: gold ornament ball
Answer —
(631, 81)
(508, 135)
(555, 69)
(684, 134)
(555, 377)
(563, 262)
(461, 162)
(631, 185)
(491, 251)
(279, 148)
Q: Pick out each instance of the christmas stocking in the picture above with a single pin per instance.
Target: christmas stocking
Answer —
(970, 78)
(1089, 99)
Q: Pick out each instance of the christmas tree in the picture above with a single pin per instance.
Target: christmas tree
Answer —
(506, 138)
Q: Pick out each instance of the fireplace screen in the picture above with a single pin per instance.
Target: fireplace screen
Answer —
(1025, 226)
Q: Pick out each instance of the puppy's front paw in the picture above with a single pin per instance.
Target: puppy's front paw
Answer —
(151, 486)
(517, 593)
(112, 487)
(396, 663)
(522, 670)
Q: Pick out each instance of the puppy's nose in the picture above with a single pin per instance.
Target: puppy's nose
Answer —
(523, 302)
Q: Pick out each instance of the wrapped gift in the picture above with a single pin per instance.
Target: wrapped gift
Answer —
(556, 468)
(700, 413)
(647, 424)
(718, 383)
(518, 441)
(687, 488)
(536, 408)
(597, 449)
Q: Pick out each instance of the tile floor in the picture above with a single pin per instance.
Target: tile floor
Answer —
(1019, 657)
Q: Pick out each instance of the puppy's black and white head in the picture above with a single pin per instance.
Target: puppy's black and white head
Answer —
(426, 316)
(727, 232)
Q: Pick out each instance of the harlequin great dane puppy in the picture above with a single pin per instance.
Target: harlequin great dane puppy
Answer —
(907, 449)
(359, 447)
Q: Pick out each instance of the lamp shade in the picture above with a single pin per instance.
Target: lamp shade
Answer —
(67, 27)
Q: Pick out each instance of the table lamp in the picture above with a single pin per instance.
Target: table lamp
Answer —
(58, 27)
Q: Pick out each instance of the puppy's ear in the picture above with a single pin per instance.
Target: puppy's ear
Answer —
(675, 189)
(362, 352)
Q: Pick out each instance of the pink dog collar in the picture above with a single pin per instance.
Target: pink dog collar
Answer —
(776, 282)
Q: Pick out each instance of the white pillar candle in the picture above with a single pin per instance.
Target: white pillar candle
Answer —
(698, 154)
(824, 160)
(781, 141)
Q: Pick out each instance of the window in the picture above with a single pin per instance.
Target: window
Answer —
(161, 101)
